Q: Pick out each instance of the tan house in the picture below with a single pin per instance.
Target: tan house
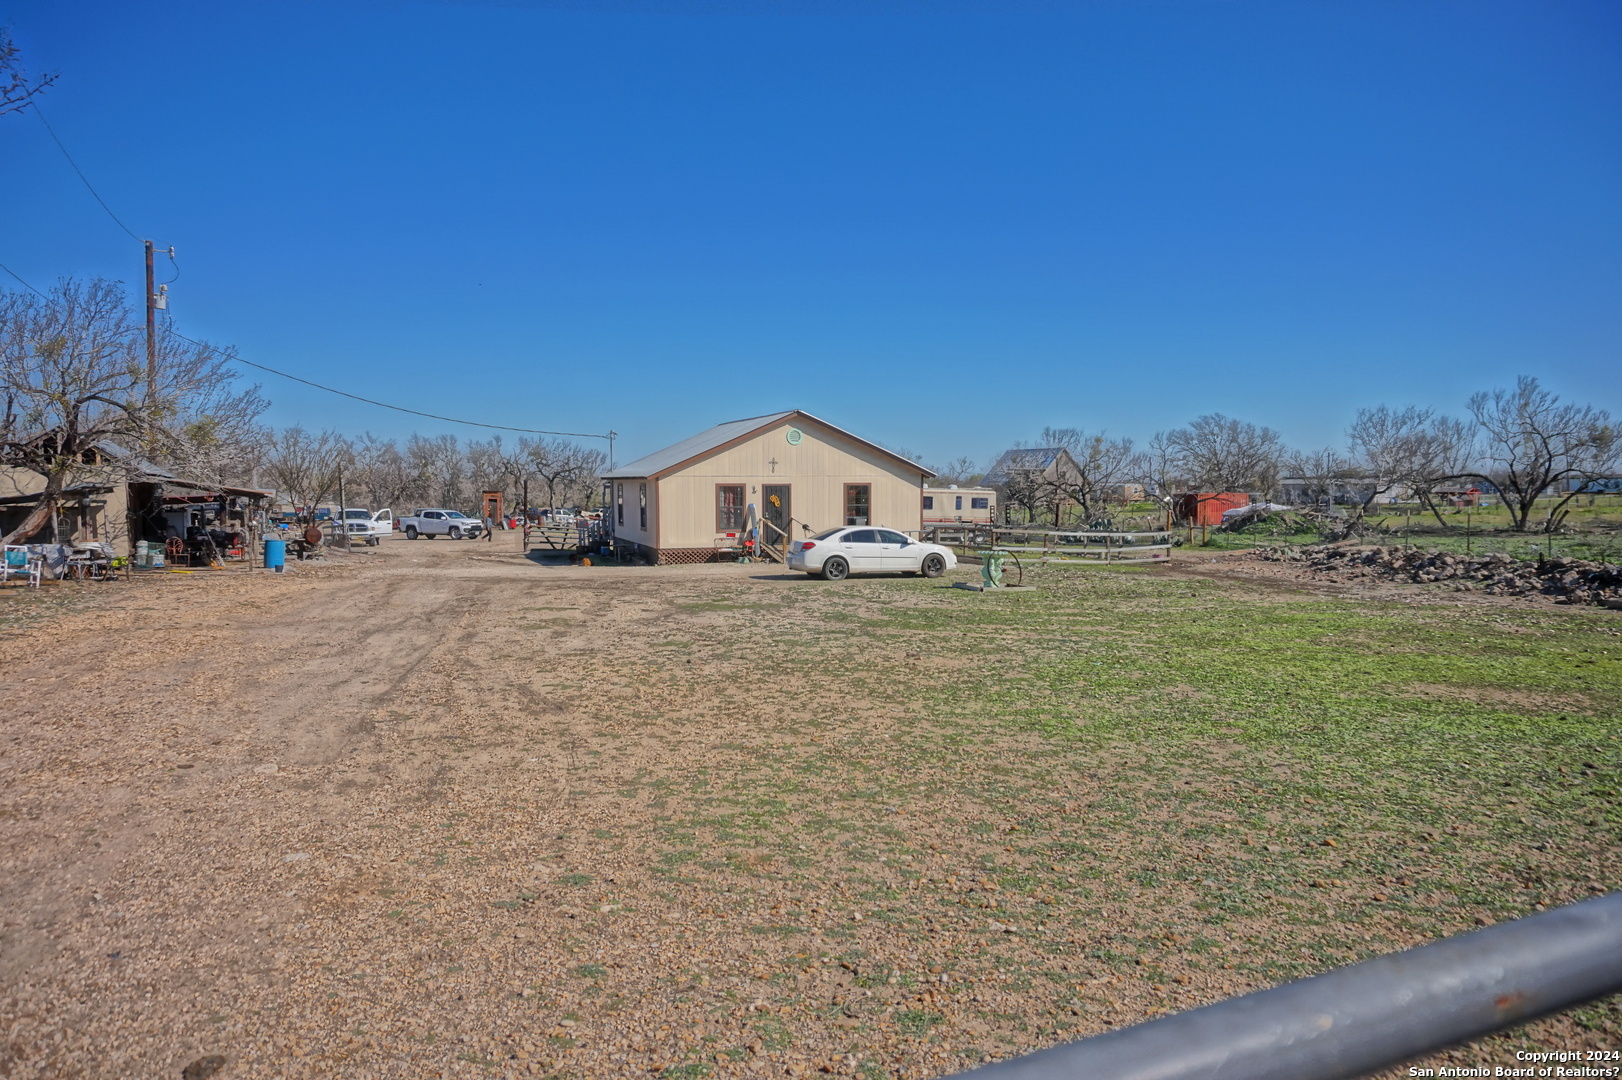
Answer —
(757, 482)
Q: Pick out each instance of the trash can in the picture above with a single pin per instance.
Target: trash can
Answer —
(275, 554)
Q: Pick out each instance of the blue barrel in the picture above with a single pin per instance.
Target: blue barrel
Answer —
(275, 554)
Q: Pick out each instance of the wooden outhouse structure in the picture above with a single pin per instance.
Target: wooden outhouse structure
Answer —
(748, 486)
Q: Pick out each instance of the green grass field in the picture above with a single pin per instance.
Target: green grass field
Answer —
(1161, 789)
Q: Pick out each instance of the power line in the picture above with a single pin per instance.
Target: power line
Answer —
(82, 177)
(344, 393)
(386, 405)
(25, 284)
(232, 356)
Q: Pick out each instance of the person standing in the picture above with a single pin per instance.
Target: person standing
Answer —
(489, 526)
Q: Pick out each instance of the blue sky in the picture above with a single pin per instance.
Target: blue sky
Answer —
(941, 225)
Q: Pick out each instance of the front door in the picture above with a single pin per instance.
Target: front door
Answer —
(775, 509)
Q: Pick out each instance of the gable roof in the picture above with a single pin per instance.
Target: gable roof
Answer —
(723, 435)
(1037, 459)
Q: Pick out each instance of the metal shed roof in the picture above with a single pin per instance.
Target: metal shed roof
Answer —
(1035, 459)
(696, 446)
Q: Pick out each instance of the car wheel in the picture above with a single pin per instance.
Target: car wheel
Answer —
(411, 532)
(933, 566)
(371, 541)
(456, 532)
(835, 569)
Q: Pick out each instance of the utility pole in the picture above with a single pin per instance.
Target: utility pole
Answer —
(151, 329)
(343, 514)
(611, 435)
(154, 301)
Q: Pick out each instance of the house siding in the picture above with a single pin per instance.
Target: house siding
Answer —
(817, 471)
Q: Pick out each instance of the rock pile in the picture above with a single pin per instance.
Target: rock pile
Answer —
(1563, 580)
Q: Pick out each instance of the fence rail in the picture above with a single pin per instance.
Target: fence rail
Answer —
(1368, 1016)
(1057, 545)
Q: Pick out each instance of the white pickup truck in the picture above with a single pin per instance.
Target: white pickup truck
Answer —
(365, 525)
(432, 523)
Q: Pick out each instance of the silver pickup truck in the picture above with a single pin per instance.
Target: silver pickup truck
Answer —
(432, 523)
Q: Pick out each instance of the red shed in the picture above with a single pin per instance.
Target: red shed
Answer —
(1205, 507)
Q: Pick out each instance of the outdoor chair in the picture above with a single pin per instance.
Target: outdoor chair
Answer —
(19, 562)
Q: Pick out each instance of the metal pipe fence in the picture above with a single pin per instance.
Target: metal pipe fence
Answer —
(1366, 1017)
(1034, 545)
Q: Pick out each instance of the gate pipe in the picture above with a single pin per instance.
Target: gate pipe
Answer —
(1366, 1017)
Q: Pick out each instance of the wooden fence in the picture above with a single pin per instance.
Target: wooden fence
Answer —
(1056, 545)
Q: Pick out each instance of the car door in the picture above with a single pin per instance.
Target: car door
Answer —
(896, 552)
(433, 522)
(860, 547)
(383, 522)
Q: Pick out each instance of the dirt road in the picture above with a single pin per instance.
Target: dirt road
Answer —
(316, 823)
(436, 810)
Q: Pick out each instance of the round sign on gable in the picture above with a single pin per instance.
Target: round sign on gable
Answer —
(794, 436)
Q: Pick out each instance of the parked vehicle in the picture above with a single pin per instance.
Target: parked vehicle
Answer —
(432, 523)
(365, 525)
(840, 552)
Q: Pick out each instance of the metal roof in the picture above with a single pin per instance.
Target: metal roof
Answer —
(1037, 459)
(695, 446)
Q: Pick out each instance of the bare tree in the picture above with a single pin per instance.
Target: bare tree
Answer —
(565, 468)
(73, 377)
(438, 468)
(1323, 474)
(1156, 468)
(211, 433)
(960, 470)
(1101, 466)
(381, 471)
(1219, 453)
(305, 467)
(1389, 447)
(16, 89)
(1411, 448)
(1532, 444)
(1445, 454)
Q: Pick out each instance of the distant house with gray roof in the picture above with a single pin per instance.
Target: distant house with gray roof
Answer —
(1036, 478)
(744, 484)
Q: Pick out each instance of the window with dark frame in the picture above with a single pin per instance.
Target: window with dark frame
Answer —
(858, 503)
(642, 500)
(728, 507)
(959, 505)
(929, 502)
(619, 503)
(980, 504)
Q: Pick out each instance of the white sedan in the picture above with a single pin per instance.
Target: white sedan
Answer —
(858, 549)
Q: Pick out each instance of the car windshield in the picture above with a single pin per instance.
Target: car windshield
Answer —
(367, 514)
(830, 532)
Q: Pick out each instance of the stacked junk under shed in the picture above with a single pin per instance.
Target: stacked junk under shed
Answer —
(124, 514)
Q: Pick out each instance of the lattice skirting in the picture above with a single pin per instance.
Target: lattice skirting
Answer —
(683, 556)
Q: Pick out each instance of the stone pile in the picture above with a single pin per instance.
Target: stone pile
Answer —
(1561, 579)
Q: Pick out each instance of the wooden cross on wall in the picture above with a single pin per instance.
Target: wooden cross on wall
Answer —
(773, 464)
